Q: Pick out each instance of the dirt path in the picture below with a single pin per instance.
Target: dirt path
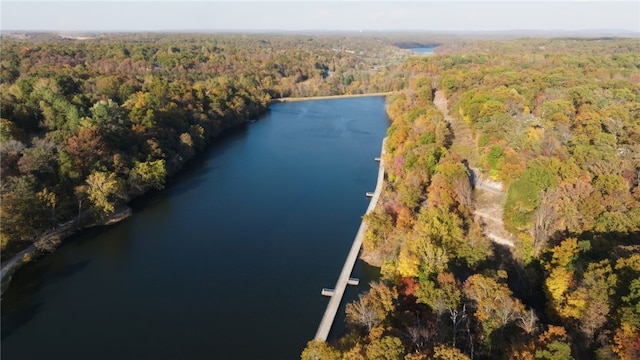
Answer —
(489, 195)
(463, 142)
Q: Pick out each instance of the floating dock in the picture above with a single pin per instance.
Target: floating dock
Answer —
(344, 279)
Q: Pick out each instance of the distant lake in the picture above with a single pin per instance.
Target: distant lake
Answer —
(423, 50)
(227, 263)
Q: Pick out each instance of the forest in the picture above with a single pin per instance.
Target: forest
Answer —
(554, 125)
(87, 125)
(509, 224)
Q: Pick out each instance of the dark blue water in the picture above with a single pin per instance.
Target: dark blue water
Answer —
(226, 263)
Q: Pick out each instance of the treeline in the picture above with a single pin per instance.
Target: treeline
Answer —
(86, 125)
(558, 123)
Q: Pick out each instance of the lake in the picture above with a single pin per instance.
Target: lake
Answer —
(227, 262)
(423, 50)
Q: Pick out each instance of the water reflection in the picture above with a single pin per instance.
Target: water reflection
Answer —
(227, 262)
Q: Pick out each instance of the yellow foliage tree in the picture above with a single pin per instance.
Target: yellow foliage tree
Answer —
(444, 352)
(104, 189)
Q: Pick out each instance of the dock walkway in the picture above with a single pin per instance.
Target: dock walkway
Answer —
(344, 278)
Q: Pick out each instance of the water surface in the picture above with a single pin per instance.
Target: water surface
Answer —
(423, 50)
(226, 263)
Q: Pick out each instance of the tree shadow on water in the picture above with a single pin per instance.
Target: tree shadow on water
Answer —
(59, 274)
(14, 320)
(22, 300)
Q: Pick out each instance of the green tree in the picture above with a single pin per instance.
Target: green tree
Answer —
(385, 348)
(10, 131)
(443, 352)
(148, 174)
(496, 153)
(524, 196)
(23, 214)
(552, 345)
(319, 350)
(104, 191)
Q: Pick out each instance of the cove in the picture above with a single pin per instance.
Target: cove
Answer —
(227, 262)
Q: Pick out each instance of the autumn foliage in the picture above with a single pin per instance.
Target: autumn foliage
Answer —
(557, 123)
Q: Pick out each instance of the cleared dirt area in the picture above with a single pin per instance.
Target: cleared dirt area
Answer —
(489, 196)
(463, 142)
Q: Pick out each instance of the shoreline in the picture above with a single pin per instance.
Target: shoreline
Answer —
(326, 97)
(64, 230)
(68, 228)
(328, 318)
(61, 232)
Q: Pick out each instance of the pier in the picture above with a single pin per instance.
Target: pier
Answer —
(344, 279)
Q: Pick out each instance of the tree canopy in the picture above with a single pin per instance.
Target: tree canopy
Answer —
(87, 125)
(555, 122)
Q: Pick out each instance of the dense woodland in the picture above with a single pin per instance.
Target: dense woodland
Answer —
(557, 123)
(86, 125)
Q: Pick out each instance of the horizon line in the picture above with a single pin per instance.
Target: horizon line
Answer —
(619, 30)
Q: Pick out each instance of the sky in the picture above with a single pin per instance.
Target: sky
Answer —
(350, 15)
